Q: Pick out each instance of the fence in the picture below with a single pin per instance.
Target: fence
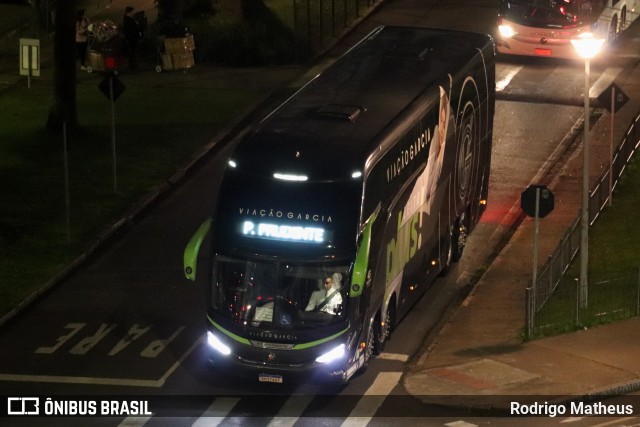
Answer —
(609, 300)
(317, 23)
(552, 273)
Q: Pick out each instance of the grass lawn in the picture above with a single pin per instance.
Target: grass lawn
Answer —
(158, 129)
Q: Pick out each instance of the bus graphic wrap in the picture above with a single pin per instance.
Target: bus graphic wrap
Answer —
(343, 205)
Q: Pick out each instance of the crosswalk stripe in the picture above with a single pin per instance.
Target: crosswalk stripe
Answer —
(393, 356)
(134, 421)
(291, 411)
(373, 398)
(217, 412)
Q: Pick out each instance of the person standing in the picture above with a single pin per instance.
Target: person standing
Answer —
(132, 34)
(82, 38)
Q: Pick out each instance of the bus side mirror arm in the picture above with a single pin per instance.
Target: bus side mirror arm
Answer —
(193, 248)
(361, 264)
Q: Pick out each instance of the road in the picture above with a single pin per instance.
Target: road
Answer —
(128, 323)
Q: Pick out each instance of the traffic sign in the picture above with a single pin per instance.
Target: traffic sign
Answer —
(118, 87)
(528, 201)
(620, 98)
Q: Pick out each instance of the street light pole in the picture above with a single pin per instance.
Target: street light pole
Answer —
(584, 217)
(587, 47)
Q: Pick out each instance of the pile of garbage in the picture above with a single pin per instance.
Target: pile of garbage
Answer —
(103, 31)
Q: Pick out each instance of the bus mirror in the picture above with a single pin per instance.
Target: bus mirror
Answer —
(192, 249)
(361, 264)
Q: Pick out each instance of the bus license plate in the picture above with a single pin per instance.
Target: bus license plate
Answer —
(267, 378)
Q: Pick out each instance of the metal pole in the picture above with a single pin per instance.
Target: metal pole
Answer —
(534, 285)
(113, 134)
(66, 179)
(613, 91)
(584, 220)
(638, 295)
(529, 313)
(29, 54)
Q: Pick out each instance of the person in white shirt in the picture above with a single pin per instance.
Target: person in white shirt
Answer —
(333, 299)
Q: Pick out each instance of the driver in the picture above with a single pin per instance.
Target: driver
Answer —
(316, 297)
(333, 300)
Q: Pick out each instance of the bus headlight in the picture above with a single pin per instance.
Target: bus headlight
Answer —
(506, 31)
(217, 344)
(332, 355)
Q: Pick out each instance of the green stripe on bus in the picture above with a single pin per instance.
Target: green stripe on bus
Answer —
(295, 347)
(229, 333)
(323, 340)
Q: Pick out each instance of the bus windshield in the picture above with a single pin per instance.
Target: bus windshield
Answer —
(548, 13)
(269, 294)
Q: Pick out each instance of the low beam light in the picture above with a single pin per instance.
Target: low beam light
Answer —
(356, 174)
(332, 355)
(217, 344)
(232, 163)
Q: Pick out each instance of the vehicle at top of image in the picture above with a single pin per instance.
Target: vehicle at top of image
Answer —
(546, 27)
(341, 207)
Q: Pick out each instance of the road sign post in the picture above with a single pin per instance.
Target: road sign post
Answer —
(112, 88)
(29, 59)
(536, 201)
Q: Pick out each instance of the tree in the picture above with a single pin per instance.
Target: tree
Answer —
(63, 108)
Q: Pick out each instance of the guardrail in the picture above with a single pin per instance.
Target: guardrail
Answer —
(552, 272)
(317, 22)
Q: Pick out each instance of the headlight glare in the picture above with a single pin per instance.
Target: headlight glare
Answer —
(217, 344)
(334, 354)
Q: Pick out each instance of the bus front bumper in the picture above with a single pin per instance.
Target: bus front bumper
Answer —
(273, 367)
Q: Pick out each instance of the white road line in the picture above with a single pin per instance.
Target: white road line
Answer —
(572, 420)
(393, 356)
(503, 82)
(372, 399)
(81, 380)
(134, 421)
(460, 424)
(217, 412)
(291, 411)
(606, 78)
(618, 421)
(127, 382)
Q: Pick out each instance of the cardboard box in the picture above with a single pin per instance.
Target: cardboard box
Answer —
(96, 61)
(189, 42)
(174, 45)
(167, 61)
(182, 60)
(179, 45)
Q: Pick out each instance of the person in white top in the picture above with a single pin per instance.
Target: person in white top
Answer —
(333, 300)
(82, 38)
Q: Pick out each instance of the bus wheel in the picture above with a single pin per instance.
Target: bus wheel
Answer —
(369, 347)
(459, 238)
(383, 330)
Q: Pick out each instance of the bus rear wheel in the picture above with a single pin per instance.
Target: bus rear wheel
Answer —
(459, 238)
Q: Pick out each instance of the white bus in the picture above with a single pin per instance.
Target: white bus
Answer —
(546, 27)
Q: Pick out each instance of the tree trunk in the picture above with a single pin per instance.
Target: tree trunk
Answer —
(63, 108)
